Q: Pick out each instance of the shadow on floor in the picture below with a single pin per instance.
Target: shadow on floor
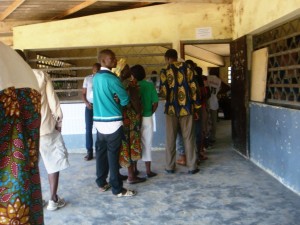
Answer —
(228, 190)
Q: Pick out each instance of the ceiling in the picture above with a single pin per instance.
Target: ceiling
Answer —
(59, 9)
(219, 49)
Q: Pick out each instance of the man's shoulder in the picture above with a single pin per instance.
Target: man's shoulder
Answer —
(106, 75)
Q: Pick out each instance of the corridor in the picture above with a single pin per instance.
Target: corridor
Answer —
(228, 190)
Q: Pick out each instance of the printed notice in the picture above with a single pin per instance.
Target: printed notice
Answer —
(203, 32)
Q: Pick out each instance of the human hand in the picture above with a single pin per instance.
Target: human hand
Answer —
(116, 98)
(88, 105)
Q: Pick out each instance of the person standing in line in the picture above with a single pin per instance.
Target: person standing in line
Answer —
(20, 107)
(52, 146)
(149, 104)
(180, 90)
(87, 96)
(214, 84)
(108, 122)
(131, 148)
(202, 120)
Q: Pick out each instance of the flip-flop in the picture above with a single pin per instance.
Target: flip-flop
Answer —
(105, 187)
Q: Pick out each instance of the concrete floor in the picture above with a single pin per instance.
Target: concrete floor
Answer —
(228, 190)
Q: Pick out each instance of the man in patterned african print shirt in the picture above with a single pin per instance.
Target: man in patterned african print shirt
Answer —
(178, 87)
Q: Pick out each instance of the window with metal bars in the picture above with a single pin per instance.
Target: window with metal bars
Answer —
(283, 80)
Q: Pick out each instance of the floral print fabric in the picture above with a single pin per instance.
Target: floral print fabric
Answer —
(178, 87)
(131, 149)
(20, 189)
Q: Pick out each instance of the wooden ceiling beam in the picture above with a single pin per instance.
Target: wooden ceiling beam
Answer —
(170, 1)
(141, 4)
(75, 9)
(10, 9)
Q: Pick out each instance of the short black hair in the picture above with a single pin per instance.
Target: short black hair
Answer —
(214, 71)
(138, 72)
(172, 54)
(198, 70)
(198, 76)
(105, 52)
(98, 65)
(190, 63)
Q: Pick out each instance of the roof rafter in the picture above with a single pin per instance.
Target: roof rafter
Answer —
(10, 9)
(74, 9)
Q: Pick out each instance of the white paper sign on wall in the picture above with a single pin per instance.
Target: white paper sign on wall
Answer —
(203, 32)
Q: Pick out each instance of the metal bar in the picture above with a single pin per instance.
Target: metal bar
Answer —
(67, 78)
(63, 58)
(94, 57)
(278, 39)
(284, 52)
(285, 85)
(88, 67)
(284, 68)
(65, 68)
(67, 90)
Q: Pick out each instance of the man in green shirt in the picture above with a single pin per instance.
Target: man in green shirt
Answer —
(149, 103)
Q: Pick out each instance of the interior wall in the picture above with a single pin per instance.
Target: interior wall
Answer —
(274, 142)
(157, 24)
(224, 70)
(254, 15)
(6, 29)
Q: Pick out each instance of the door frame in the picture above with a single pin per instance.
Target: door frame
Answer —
(191, 42)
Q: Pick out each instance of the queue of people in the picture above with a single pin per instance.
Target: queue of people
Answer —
(123, 103)
(120, 105)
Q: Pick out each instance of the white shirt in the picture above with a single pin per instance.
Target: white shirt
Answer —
(214, 84)
(107, 127)
(51, 113)
(88, 84)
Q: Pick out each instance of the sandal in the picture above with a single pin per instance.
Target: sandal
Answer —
(127, 193)
(151, 174)
(105, 187)
(136, 180)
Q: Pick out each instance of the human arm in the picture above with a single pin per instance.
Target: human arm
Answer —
(119, 92)
(84, 93)
(163, 84)
(154, 107)
(53, 102)
(86, 102)
(194, 89)
(154, 97)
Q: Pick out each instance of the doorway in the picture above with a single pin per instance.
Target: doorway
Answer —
(223, 55)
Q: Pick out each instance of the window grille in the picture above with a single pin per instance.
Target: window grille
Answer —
(283, 80)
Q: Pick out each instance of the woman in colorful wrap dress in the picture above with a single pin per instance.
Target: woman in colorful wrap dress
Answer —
(20, 103)
(131, 149)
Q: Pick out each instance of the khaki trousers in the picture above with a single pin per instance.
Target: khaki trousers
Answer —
(186, 124)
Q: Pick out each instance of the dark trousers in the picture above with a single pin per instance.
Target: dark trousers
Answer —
(107, 159)
(89, 131)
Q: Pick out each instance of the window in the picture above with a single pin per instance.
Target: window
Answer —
(229, 75)
(283, 80)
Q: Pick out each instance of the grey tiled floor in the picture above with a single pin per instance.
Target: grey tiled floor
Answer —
(228, 190)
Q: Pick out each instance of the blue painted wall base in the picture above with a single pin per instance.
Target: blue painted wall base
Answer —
(275, 142)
